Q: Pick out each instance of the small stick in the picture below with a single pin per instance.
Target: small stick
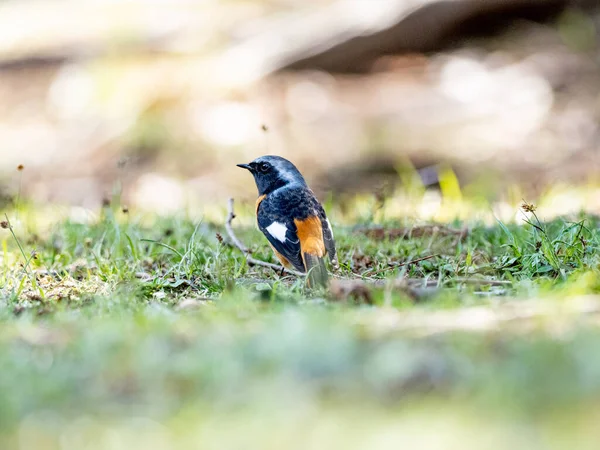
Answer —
(241, 247)
(482, 281)
(229, 229)
(414, 261)
(434, 283)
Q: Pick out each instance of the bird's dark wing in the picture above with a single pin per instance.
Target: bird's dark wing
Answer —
(281, 233)
(328, 237)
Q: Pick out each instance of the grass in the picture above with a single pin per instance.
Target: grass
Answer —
(154, 333)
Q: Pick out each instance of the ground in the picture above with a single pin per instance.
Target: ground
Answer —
(127, 330)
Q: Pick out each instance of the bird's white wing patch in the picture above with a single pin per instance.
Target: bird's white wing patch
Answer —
(277, 230)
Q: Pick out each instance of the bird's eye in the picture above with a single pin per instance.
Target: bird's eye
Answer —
(264, 167)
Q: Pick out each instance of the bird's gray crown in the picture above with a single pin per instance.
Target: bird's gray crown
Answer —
(273, 172)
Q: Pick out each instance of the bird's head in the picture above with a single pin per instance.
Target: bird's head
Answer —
(273, 172)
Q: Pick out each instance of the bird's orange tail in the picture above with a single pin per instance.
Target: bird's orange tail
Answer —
(310, 235)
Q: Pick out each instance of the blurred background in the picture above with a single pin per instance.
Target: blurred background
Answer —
(163, 98)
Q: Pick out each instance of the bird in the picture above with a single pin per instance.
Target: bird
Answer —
(292, 219)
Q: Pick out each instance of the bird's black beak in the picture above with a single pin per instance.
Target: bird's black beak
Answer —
(245, 166)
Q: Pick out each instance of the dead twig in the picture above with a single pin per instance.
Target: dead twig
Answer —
(414, 261)
(427, 284)
(241, 247)
(361, 291)
(380, 233)
(417, 289)
(229, 228)
(481, 281)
